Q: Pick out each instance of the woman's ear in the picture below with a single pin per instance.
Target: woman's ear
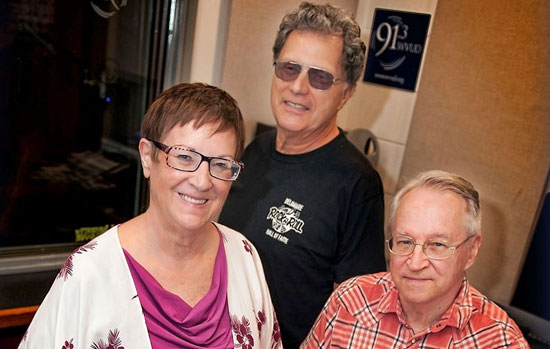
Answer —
(146, 156)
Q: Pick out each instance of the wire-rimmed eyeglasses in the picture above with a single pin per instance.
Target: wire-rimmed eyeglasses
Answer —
(181, 158)
(433, 248)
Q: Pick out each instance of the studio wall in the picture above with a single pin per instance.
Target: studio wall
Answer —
(483, 111)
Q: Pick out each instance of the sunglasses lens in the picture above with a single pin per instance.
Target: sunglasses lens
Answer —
(320, 79)
(287, 71)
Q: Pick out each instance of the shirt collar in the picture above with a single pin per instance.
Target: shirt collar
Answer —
(458, 314)
(390, 303)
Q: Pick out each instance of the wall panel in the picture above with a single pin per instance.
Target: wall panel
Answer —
(483, 111)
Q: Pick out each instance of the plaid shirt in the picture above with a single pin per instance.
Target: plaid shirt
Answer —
(364, 312)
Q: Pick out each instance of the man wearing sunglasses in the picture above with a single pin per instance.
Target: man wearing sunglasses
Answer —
(425, 301)
(309, 200)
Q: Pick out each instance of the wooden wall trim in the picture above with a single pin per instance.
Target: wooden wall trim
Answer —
(17, 316)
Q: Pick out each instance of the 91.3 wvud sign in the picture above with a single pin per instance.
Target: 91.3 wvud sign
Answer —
(396, 47)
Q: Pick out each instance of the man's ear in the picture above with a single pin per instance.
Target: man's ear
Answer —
(475, 244)
(348, 92)
(146, 156)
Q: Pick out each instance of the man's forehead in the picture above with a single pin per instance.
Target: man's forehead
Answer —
(435, 235)
(430, 210)
(428, 195)
(305, 42)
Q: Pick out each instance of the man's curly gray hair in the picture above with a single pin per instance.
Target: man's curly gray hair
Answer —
(331, 20)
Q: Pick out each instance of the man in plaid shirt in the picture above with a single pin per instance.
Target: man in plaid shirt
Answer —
(425, 301)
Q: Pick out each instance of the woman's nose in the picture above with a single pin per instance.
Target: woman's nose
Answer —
(201, 178)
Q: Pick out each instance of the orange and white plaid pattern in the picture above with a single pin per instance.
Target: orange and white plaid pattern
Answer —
(364, 312)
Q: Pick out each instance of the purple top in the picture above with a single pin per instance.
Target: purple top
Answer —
(172, 323)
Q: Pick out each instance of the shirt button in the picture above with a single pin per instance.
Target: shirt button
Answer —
(413, 341)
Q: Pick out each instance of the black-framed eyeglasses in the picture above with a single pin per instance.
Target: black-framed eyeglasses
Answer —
(181, 158)
(433, 248)
(318, 78)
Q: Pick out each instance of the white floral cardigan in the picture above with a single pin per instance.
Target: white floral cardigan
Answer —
(93, 302)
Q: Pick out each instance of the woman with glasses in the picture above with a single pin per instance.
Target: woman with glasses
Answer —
(170, 277)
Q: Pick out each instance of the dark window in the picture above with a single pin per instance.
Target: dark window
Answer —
(75, 80)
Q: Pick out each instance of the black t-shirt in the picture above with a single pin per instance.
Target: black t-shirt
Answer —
(316, 219)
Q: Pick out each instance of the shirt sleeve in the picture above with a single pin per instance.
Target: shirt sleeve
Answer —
(273, 330)
(516, 341)
(361, 231)
(56, 319)
(321, 333)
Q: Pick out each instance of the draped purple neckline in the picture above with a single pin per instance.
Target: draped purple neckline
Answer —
(172, 323)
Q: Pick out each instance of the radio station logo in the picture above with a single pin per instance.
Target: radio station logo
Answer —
(396, 47)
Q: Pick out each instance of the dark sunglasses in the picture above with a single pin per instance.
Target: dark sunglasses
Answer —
(318, 78)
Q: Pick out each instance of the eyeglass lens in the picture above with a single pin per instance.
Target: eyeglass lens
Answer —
(435, 249)
(318, 78)
(187, 160)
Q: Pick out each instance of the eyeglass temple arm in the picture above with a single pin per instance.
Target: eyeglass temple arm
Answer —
(159, 145)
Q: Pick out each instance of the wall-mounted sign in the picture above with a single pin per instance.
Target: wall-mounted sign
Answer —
(396, 48)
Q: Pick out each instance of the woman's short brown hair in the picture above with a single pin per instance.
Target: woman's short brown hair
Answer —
(194, 102)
